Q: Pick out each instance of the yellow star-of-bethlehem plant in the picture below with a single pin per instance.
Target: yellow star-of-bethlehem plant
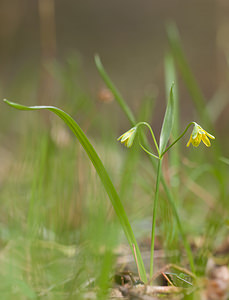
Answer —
(199, 134)
(128, 137)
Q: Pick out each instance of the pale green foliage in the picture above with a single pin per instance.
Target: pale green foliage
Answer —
(107, 183)
(167, 122)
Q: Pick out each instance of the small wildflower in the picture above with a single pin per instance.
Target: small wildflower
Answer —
(198, 135)
(127, 138)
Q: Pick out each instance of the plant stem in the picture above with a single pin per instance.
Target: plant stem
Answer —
(183, 236)
(183, 133)
(152, 134)
(154, 216)
(148, 152)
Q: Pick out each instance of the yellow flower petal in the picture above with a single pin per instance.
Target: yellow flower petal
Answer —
(206, 140)
(197, 140)
(198, 135)
(189, 142)
(209, 135)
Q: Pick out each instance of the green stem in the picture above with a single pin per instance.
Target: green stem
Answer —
(148, 152)
(170, 146)
(154, 216)
(153, 136)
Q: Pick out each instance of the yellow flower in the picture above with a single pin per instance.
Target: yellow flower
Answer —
(198, 135)
(128, 137)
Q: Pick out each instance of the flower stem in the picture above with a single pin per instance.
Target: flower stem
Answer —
(154, 216)
(183, 133)
(152, 134)
(148, 152)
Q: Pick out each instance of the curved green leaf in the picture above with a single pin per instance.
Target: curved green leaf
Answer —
(107, 183)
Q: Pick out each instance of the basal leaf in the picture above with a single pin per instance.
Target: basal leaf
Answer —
(105, 179)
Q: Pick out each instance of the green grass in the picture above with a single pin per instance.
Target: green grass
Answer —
(59, 233)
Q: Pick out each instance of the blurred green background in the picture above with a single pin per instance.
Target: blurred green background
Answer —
(58, 232)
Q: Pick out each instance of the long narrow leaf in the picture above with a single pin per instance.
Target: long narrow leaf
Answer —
(170, 77)
(108, 185)
(167, 122)
(169, 226)
(114, 90)
(187, 75)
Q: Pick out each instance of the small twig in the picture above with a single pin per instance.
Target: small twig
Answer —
(122, 280)
(180, 278)
(183, 270)
(136, 260)
(163, 290)
(153, 290)
(167, 278)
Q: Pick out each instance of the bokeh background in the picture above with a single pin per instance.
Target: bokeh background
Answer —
(129, 36)
(54, 211)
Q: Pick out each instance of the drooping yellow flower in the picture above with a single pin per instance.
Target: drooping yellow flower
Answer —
(198, 135)
(128, 137)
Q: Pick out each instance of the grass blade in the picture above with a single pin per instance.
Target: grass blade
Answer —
(187, 75)
(194, 90)
(170, 77)
(167, 122)
(170, 232)
(114, 91)
(107, 183)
